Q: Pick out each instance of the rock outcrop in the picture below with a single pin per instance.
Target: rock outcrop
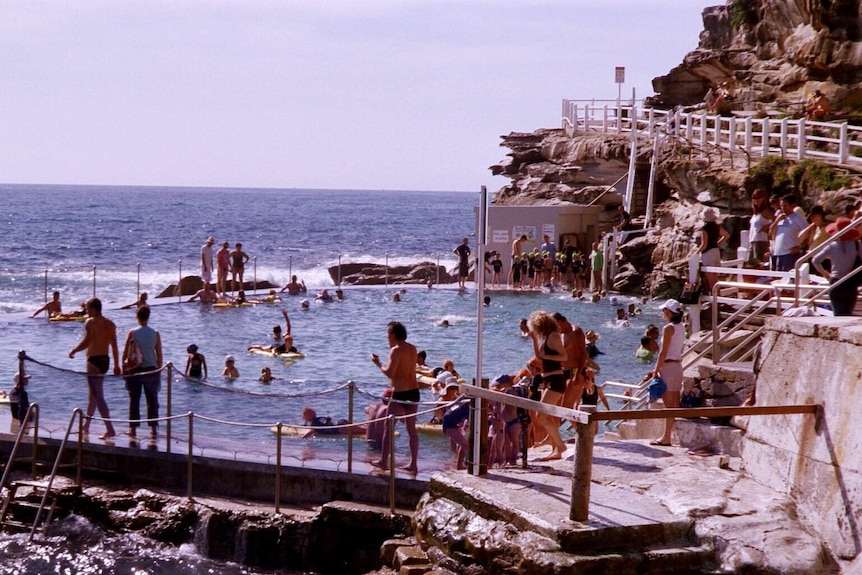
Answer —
(189, 285)
(376, 274)
(776, 52)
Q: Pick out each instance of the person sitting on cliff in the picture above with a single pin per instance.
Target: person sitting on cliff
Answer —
(294, 287)
(817, 107)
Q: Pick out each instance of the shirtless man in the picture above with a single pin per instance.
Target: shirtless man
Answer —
(100, 333)
(53, 307)
(401, 371)
(294, 287)
(205, 294)
(575, 366)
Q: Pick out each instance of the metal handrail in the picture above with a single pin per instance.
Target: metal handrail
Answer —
(32, 413)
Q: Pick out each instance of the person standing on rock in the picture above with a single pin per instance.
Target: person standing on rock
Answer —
(207, 260)
(401, 371)
(463, 252)
(668, 366)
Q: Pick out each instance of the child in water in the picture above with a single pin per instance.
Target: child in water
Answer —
(266, 375)
(230, 371)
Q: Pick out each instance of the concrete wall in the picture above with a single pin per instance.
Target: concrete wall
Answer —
(506, 223)
(813, 360)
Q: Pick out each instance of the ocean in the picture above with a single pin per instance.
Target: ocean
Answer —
(117, 241)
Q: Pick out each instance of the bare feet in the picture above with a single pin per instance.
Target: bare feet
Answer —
(552, 456)
(378, 465)
(132, 432)
(411, 469)
(107, 435)
(154, 432)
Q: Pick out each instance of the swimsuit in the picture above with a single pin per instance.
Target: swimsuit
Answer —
(409, 395)
(195, 366)
(100, 362)
(455, 417)
(512, 422)
(590, 398)
(556, 382)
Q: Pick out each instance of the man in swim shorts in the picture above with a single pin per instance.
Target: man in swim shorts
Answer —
(223, 261)
(401, 371)
(238, 259)
(100, 333)
(294, 287)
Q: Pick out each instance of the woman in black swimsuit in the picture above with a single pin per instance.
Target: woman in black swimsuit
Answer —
(549, 349)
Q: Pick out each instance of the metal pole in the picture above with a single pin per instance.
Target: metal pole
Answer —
(580, 505)
(289, 266)
(390, 421)
(254, 276)
(170, 396)
(351, 387)
(139, 279)
(438, 269)
(180, 283)
(46, 291)
(387, 272)
(94, 281)
(475, 467)
(339, 270)
(278, 468)
(191, 417)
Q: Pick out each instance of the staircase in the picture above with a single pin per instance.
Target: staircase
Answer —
(30, 502)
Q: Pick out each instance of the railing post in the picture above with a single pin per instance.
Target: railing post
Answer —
(339, 271)
(289, 267)
(278, 467)
(387, 272)
(718, 122)
(390, 421)
(170, 386)
(764, 137)
(843, 145)
(351, 386)
(47, 316)
(94, 281)
(801, 136)
(748, 136)
(180, 282)
(704, 125)
(139, 279)
(731, 134)
(583, 471)
(190, 478)
(254, 276)
(783, 138)
(478, 458)
(438, 269)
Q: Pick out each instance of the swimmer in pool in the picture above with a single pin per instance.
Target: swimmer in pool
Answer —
(53, 307)
(230, 371)
(286, 345)
(266, 376)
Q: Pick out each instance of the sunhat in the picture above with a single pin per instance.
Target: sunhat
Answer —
(839, 225)
(17, 378)
(591, 335)
(210, 240)
(672, 305)
(229, 358)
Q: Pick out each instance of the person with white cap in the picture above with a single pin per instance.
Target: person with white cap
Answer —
(712, 235)
(668, 365)
(207, 260)
(230, 371)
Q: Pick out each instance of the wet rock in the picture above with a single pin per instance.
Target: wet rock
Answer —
(189, 285)
(375, 274)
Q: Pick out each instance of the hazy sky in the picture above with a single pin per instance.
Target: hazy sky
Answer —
(376, 94)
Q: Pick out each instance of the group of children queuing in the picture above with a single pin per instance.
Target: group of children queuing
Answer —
(535, 269)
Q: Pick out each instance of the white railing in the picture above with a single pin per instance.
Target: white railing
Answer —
(831, 142)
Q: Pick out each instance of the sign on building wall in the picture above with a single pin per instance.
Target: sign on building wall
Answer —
(548, 230)
(529, 231)
(500, 236)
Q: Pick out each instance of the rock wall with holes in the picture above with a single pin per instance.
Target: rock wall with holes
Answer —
(818, 461)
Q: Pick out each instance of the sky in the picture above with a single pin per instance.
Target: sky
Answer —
(340, 94)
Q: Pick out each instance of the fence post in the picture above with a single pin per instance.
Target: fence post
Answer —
(278, 468)
(169, 399)
(339, 271)
(843, 145)
(748, 136)
(765, 129)
(47, 315)
(191, 417)
(783, 138)
(94, 281)
(254, 277)
(180, 283)
(352, 388)
(387, 272)
(139, 279)
(438, 269)
(478, 420)
(390, 421)
(582, 474)
(802, 139)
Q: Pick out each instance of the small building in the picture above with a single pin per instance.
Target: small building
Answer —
(577, 223)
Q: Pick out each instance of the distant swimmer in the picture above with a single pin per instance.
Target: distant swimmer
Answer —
(230, 371)
(486, 301)
(207, 260)
(139, 303)
(524, 328)
(53, 307)
(444, 323)
(294, 287)
(286, 345)
(238, 259)
(205, 295)
(305, 304)
(324, 296)
(272, 297)
(396, 298)
(339, 294)
(266, 376)
(100, 336)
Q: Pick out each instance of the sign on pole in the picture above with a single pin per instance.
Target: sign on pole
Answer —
(620, 74)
